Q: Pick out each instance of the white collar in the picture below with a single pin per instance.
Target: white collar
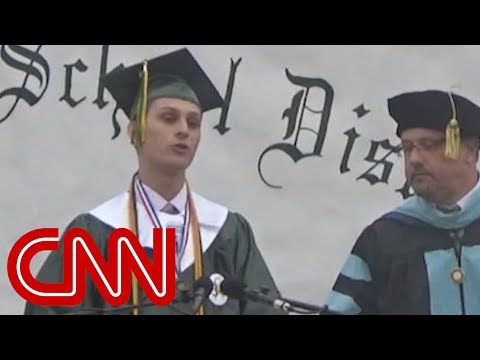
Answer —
(158, 202)
(464, 200)
(211, 217)
(460, 205)
(112, 211)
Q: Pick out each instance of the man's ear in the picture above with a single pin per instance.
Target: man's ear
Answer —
(472, 145)
(131, 132)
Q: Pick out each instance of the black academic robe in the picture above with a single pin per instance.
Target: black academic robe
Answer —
(402, 264)
(229, 249)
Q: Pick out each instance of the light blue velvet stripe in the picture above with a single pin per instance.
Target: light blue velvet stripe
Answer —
(471, 286)
(356, 268)
(342, 303)
(444, 293)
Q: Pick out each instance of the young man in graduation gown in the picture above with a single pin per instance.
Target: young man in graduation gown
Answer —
(212, 241)
(423, 257)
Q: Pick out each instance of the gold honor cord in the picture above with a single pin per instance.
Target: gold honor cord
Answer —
(196, 237)
(132, 223)
(197, 242)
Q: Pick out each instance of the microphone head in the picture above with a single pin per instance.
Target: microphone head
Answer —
(181, 286)
(233, 288)
(203, 283)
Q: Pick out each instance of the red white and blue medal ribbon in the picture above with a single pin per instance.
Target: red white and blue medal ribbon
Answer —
(147, 204)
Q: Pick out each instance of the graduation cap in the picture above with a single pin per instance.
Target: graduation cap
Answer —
(176, 74)
(450, 113)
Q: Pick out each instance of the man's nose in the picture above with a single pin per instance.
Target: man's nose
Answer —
(415, 156)
(182, 128)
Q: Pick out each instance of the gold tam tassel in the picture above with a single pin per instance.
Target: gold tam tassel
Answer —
(452, 134)
(142, 111)
(197, 243)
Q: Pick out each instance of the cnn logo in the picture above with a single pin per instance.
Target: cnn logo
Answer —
(81, 255)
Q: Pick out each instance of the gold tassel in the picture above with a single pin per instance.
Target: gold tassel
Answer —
(133, 227)
(452, 134)
(197, 243)
(142, 104)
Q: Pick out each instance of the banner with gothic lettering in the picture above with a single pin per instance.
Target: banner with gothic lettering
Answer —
(303, 147)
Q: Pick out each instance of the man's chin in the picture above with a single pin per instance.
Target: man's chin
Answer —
(420, 182)
(176, 166)
(422, 192)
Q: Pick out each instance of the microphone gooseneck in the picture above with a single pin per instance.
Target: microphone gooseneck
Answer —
(240, 291)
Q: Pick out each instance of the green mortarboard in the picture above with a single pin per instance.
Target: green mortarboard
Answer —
(176, 74)
(437, 110)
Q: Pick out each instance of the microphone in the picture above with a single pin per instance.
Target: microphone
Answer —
(240, 291)
(201, 289)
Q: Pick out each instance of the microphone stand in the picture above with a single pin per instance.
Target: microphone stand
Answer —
(307, 309)
(290, 305)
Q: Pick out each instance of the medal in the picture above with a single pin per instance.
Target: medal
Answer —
(457, 275)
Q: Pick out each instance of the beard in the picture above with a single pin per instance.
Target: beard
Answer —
(427, 188)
